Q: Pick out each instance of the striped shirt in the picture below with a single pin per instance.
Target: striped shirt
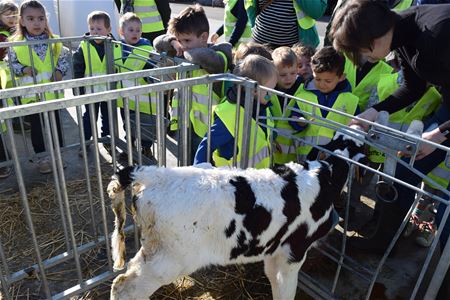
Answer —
(276, 24)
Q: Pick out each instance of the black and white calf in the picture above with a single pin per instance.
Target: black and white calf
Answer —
(192, 217)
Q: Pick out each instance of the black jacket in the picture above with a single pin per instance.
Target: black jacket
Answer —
(422, 41)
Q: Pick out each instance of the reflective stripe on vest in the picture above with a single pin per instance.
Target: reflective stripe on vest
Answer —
(147, 11)
(98, 67)
(368, 83)
(441, 175)
(230, 23)
(43, 68)
(135, 62)
(320, 135)
(304, 21)
(260, 158)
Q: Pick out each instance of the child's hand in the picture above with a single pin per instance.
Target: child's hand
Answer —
(58, 76)
(214, 38)
(177, 46)
(28, 71)
(301, 121)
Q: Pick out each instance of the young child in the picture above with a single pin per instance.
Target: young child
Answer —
(329, 88)
(248, 48)
(288, 82)
(8, 21)
(131, 59)
(188, 37)
(33, 26)
(85, 65)
(236, 26)
(304, 54)
(223, 137)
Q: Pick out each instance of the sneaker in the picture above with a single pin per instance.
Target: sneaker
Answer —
(44, 165)
(412, 226)
(5, 172)
(107, 148)
(426, 233)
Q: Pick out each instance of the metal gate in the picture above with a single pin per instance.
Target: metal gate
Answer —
(74, 235)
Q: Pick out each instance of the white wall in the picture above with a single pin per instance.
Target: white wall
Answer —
(68, 17)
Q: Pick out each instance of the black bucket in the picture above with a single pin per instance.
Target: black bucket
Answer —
(386, 192)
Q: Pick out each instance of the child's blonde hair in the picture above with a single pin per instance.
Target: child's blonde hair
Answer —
(257, 68)
(303, 50)
(284, 56)
(248, 48)
(98, 15)
(7, 6)
(128, 18)
(21, 30)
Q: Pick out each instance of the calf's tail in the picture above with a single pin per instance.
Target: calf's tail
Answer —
(116, 192)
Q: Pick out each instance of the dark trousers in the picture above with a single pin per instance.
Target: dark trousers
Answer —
(105, 119)
(37, 134)
(3, 148)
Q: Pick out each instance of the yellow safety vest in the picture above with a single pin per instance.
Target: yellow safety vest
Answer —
(98, 66)
(147, 11)
(368, 83)
(230, 23)
(259, 157)
(319, 135)
(43, 68)
(404, 4)
(199, 110)
(135, 61)
(284, 131)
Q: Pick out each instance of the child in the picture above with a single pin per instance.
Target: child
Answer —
(222, 140)
(84, 66)
(288, 82)
(131, 59)
(329, 88)
(304, 54)
(8, 20)
(33, 26)
(188, 37)
(245, 49)
(236, 27)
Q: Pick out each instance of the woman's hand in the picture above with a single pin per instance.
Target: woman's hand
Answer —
(369, 115)
(435, 136)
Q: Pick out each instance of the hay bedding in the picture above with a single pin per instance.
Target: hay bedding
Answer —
(232, 282)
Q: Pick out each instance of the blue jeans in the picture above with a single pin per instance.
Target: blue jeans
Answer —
(147, 125)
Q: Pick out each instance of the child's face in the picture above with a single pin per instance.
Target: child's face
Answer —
(270, 83)
(327, 81)
(192, 41)
(9, 18)
(34, 20)
(286, 75)
(131, 32)
(97, 27)
(304, 66)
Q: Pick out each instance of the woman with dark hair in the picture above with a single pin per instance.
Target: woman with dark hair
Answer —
(367, 30)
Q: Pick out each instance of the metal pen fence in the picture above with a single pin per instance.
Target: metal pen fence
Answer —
(75, 248)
